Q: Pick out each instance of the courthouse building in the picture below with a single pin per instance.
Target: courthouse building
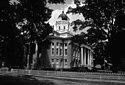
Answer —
(64, 54)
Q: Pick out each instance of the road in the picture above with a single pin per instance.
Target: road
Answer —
(67, 82)
(23, 77)
(33, 80)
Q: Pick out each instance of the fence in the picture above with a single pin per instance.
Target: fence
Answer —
(80, 75)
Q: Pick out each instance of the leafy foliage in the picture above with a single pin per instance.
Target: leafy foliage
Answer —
(106, 19)
(79, 39)
(23, 21)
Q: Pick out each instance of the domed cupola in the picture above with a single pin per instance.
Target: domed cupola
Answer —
(63, 16)
(62, 23)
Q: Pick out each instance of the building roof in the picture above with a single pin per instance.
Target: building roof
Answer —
(56, 37)
(66, 33)
(63, 16)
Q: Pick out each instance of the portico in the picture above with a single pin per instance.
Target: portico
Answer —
(86, 56)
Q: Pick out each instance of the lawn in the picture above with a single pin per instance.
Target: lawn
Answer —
(22, 80)
(30, 80)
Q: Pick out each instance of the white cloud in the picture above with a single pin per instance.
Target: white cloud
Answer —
(69, 5)
(14, 2)
(71, 16)
(58, 10)
(54, 16)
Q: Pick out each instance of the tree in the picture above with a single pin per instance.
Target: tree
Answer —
(23, 21)
(106, 19)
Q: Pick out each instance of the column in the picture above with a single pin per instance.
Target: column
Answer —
(84, 56)
(90, 57)
(86, 51)
(81, 56)
(92, 63)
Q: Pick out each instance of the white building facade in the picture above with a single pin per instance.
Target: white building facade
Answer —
(64, 54)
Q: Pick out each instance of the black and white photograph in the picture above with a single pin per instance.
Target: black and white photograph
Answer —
(62, 42)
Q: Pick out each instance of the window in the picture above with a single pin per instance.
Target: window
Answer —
(57, 44)
(57, 61)
(52, 44)
(65, 44)
(65, 52)
(57, 51)
(52, 60)
(60, 51)
(52, 51)
(65, 49)
(57, 48)
(66, 61)
(59, 27)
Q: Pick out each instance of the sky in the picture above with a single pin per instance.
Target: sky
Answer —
(57, 10)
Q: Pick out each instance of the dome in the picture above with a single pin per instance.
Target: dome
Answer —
(63, 16)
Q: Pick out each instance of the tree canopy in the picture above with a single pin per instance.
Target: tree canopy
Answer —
(106, 20)
(23, 21)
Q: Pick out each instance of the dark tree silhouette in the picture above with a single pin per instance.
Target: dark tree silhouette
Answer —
(106, 20)
(23, 21)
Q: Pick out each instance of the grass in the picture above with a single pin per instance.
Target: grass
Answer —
(22, 80)
(84, 82)
(30, 80)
